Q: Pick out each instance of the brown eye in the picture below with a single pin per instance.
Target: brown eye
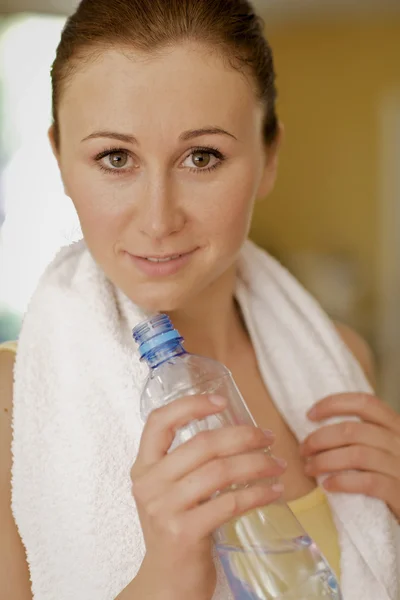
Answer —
(118, 160)
(201, 159)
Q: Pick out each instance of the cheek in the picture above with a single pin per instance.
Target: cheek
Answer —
(221, 211)
(228, 209)
(101, 208)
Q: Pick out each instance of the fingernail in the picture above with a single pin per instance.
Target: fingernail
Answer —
(268, 433)
(281, 462)
(277, 487)
(218, 400)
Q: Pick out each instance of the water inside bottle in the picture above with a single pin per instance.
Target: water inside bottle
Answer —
(266, 553)
(294, 572)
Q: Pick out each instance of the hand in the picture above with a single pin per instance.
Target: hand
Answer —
(371, 446)
(172, 492)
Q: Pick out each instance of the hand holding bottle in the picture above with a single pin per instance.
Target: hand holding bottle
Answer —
(174, 492)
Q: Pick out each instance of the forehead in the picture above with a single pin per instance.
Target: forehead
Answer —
(174, 89)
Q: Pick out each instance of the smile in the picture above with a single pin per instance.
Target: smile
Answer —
(155, 267)
(163, 259)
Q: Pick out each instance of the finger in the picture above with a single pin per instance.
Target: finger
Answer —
(219, 475)
(366, 406)
(162, 424)
(375, 485)
(206, 518)
(208, 445)
(351, 433)
(353, 457)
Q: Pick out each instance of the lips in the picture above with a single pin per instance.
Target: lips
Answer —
(159, 259)
(161, 266)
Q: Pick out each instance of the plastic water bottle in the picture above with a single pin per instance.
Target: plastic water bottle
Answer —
(266, 554)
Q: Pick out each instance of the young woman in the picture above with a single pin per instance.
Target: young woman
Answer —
(166, 134)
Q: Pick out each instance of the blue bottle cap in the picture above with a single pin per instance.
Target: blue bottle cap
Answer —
(153, 333)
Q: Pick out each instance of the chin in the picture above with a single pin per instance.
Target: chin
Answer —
(158, 301)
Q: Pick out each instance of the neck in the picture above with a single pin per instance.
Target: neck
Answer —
(212, 324)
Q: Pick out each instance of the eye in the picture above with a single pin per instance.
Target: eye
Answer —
(117, 160)
(114, 160)
(203, 159)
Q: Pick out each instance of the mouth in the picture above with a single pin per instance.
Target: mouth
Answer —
(163, 265)
(163, 259)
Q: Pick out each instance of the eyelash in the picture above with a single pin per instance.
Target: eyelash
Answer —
(206, 149)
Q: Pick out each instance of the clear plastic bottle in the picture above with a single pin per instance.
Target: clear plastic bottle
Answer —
(266, 554)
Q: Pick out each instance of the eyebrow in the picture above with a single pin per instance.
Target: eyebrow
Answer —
(185, 136)
(188, 135)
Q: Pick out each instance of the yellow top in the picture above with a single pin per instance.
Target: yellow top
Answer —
(312, 511)
(10, 346)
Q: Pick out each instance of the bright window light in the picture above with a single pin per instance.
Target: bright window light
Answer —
(39, 216)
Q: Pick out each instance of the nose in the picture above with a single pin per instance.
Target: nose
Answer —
(161, 213)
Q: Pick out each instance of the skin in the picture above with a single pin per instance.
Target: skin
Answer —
(359, 458)
(160, 204)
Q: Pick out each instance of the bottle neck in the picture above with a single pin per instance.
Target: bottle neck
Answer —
(161, 354)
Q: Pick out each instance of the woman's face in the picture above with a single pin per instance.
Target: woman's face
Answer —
(163, 158)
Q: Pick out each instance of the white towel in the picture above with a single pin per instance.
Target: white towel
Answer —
(77, 426)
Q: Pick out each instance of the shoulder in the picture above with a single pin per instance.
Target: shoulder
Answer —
(14, 568)
(6, 404)
(360, 350)
(7, 360)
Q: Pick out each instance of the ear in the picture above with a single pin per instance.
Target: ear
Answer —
(56, 152)
(271, 165)
(52, 140)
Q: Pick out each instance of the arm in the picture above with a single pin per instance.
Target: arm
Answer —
(179, 562)
(360, 350)
(14, 572)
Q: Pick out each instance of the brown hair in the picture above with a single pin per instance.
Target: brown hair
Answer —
(230, 26)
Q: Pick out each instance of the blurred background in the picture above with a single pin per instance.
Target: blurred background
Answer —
(334, 217)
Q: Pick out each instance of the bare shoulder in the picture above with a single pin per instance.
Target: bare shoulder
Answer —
(14, 572)
(360, 350)
(7, 360)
